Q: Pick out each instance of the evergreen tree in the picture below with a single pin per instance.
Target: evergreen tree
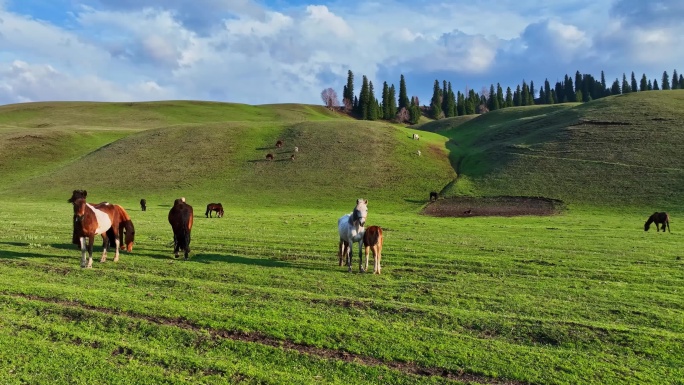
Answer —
(451, 102)
(492, 102)
(509, 97)
(542, 96)
(392, 102)
(500, 96)
(364, 99)
(578, 82)
(356, 103)
(604, 87)
(385, 102)
(569, 90)
(554, 99)
(445, 98)
(650, 85)
(675, 80)
(532, 93)
(655, 85)
(681, 81)
(517, 97)
(578, 96)
(349, 89)
(372, 103)
(560, 92)
(403, 96)
(414, 111)
(615, 90)
(525, 97)
(634, 83)
(547, 92)
(436, 102)
(666, 81)
(643, 86)
(625, 86)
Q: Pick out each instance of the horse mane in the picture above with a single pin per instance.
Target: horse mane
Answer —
(77, 194)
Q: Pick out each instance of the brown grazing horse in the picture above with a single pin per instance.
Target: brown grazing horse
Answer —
(180, 218)
(660, 219)
(89, 221)
(269, 156)
(372, 239)
(279, 144)
(211, 207)
(433, 196)
(143, 204)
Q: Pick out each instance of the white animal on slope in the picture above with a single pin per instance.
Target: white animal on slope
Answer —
(416, 137)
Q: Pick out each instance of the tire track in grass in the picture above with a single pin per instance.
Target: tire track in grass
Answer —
(260, 338)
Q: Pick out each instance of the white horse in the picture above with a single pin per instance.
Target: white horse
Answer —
(416, 137)
(351, 230)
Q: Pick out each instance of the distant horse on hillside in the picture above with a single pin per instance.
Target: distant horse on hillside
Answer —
(279, 144)
(211, 207)
(180, 218)
(350, 229)
(661, 218)
(372, 240)
(416, 137)
(433, 196)
(143, 205)
(104, 219)
(269, 156)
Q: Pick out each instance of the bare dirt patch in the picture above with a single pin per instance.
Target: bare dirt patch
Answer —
(503, 206)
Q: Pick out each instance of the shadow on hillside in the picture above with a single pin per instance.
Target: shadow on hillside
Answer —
(265, 148)
(228, 258)
(5, 254)
(420, 201)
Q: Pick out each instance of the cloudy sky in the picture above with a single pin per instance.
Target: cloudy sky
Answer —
(277, 51)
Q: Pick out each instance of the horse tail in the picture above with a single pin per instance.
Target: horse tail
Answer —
(206, 213)
(186, 224)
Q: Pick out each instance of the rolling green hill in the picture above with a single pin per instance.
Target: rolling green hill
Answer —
(618, 151)
(214, 151)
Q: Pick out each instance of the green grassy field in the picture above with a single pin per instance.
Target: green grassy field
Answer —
(582, 297)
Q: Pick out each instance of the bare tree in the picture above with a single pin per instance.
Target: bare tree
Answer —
(329, 97)
(348, 105)
(402, 116)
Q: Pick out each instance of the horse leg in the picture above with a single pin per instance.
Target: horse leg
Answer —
(116, 253)
(91, 240)
(361, 269)
(105, 246)
(339, 251)
(83, 243)
(348, 256)
(366, 251)
(377, 256)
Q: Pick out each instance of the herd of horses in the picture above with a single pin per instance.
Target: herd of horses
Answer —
(279, 144)
(113, 223)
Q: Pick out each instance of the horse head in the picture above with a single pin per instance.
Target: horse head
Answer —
(360, 212)
(79, 209)
(77, 194)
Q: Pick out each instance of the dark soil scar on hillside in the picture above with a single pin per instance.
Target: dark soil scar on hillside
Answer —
(504, 206)
(259, 338)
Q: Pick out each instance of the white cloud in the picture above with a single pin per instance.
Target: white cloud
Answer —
(241, 51)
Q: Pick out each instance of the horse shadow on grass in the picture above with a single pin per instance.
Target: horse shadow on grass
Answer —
(31, 253)
(230, 258)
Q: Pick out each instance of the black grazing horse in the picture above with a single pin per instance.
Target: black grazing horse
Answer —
(433, 196)
(660, 219)
(211, 207)
(180, 218)
(143, 204)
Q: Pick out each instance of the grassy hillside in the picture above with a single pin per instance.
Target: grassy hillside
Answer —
(621, 150)
(216, 151)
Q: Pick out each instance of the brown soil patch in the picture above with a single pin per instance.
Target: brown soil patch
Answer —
(504, 206)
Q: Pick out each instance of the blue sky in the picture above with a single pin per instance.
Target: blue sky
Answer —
(277, 51)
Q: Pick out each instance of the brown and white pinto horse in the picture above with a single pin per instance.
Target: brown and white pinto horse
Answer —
(661, 218)
(180, 218)
(90, 221)
(372, 240)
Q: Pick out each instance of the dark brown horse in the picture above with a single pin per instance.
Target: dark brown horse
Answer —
(372, 240)
(103, 219)
(180, 218)
(269, 156)
(433, 196)
(661, 218)
(211, 207)
(143, 204)
(279, 144)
